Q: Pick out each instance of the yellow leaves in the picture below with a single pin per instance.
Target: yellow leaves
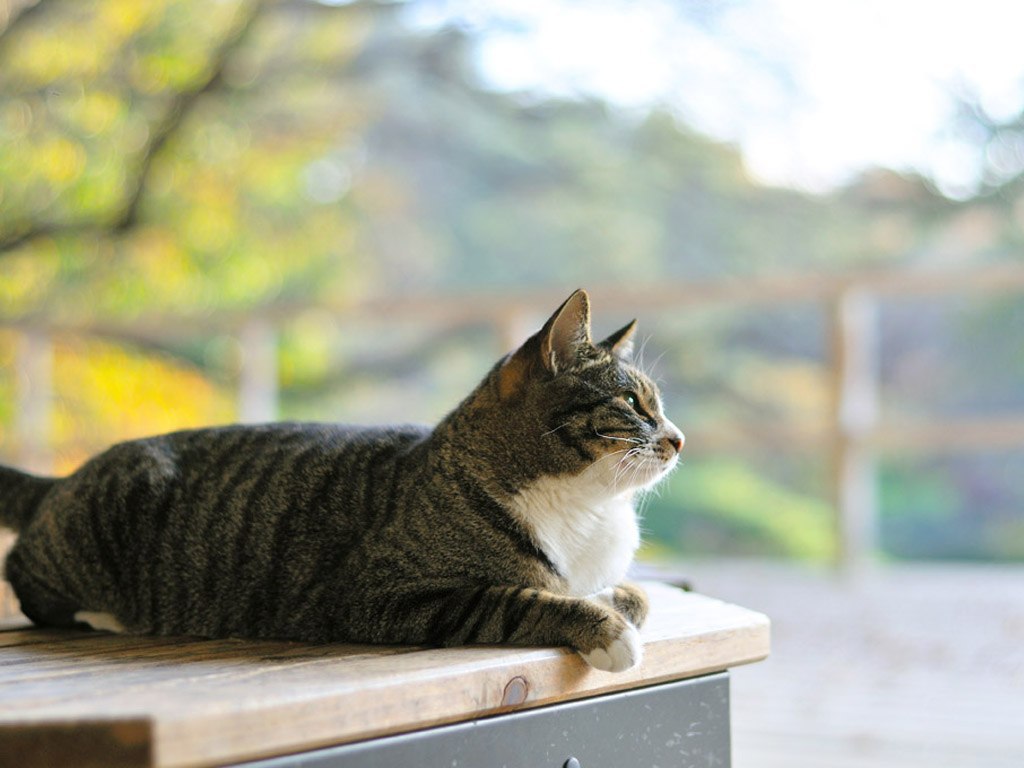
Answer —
(338, 39)
(154, 73)
(35, 60)
(96, 111)
(162, 272)
(220, 145)
(124, 17)
(86, 43)
(210, 224)
(16, 118)
(306, 355)
(27, 277)
(187, 60)
(106, 393)
(270, 178)
(7, 389)
(160, 263)
(209, 229)
(60, 160)
(159, 272)
(80, 45)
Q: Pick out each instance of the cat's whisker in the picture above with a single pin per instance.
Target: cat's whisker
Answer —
(641, 467)
(652, 372)
(623, 466)
(618, 471)
(634, 440)
(643, 501)
(619, 468)
(637, 469)
(552, 431)
(610, 455)
(640, 353)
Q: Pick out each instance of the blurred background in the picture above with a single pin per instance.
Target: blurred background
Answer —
(246, 211)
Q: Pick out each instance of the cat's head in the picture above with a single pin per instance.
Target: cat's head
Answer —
(581, 407)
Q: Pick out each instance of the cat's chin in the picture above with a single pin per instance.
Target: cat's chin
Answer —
(640, 474)
(656, 472)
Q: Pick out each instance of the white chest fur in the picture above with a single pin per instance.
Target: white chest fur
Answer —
(591, 540)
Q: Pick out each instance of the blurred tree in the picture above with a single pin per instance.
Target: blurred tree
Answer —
(169, 169)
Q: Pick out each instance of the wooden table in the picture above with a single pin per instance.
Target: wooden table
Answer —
(92, 699)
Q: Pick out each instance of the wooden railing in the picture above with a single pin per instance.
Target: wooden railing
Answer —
(854, 435)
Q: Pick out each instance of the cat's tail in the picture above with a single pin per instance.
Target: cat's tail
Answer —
(20, 496)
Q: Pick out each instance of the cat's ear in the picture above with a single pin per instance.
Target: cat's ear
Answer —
(555, 347)
(566, 333)
(621, 343)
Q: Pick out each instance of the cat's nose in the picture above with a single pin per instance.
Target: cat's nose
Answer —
(674, 441)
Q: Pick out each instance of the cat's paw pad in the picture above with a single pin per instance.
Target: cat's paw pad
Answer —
(624, 652)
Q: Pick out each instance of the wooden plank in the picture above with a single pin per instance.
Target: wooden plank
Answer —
(138, 671)
(12, 622)
(221, 701)
(84, 744)
(33, 635)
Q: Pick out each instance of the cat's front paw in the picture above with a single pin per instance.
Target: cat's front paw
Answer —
(631, 601)
(628, 599)
(622, 653)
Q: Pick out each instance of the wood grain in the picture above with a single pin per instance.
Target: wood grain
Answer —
(84, 744)
(209, 702)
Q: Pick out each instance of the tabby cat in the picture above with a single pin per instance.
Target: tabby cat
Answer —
(511, 521)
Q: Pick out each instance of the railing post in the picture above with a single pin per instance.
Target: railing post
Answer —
(258, 374)
(854, 418)
(33, 365)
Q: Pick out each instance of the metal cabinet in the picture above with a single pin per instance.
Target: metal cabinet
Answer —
(682, 724)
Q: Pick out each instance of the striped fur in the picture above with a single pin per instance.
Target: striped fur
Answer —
(493, 527)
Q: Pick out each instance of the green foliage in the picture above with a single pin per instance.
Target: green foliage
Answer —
(958, 508)
(725, 507)
(83, 87)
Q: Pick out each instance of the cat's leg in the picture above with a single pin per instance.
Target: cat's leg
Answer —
(628, 599)
(524, 616)
(43, 604)
(515, 615)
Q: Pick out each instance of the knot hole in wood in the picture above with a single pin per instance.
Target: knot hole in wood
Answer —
(515, 692)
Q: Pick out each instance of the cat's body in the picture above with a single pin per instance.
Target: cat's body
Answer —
(511, 521)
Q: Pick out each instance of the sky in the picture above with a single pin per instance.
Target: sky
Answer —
(813, 93)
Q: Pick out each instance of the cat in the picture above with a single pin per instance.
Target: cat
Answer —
(512, 521)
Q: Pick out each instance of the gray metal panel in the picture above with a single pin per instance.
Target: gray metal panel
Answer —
(675, 725)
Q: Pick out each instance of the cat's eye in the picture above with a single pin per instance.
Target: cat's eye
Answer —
(633, 401)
